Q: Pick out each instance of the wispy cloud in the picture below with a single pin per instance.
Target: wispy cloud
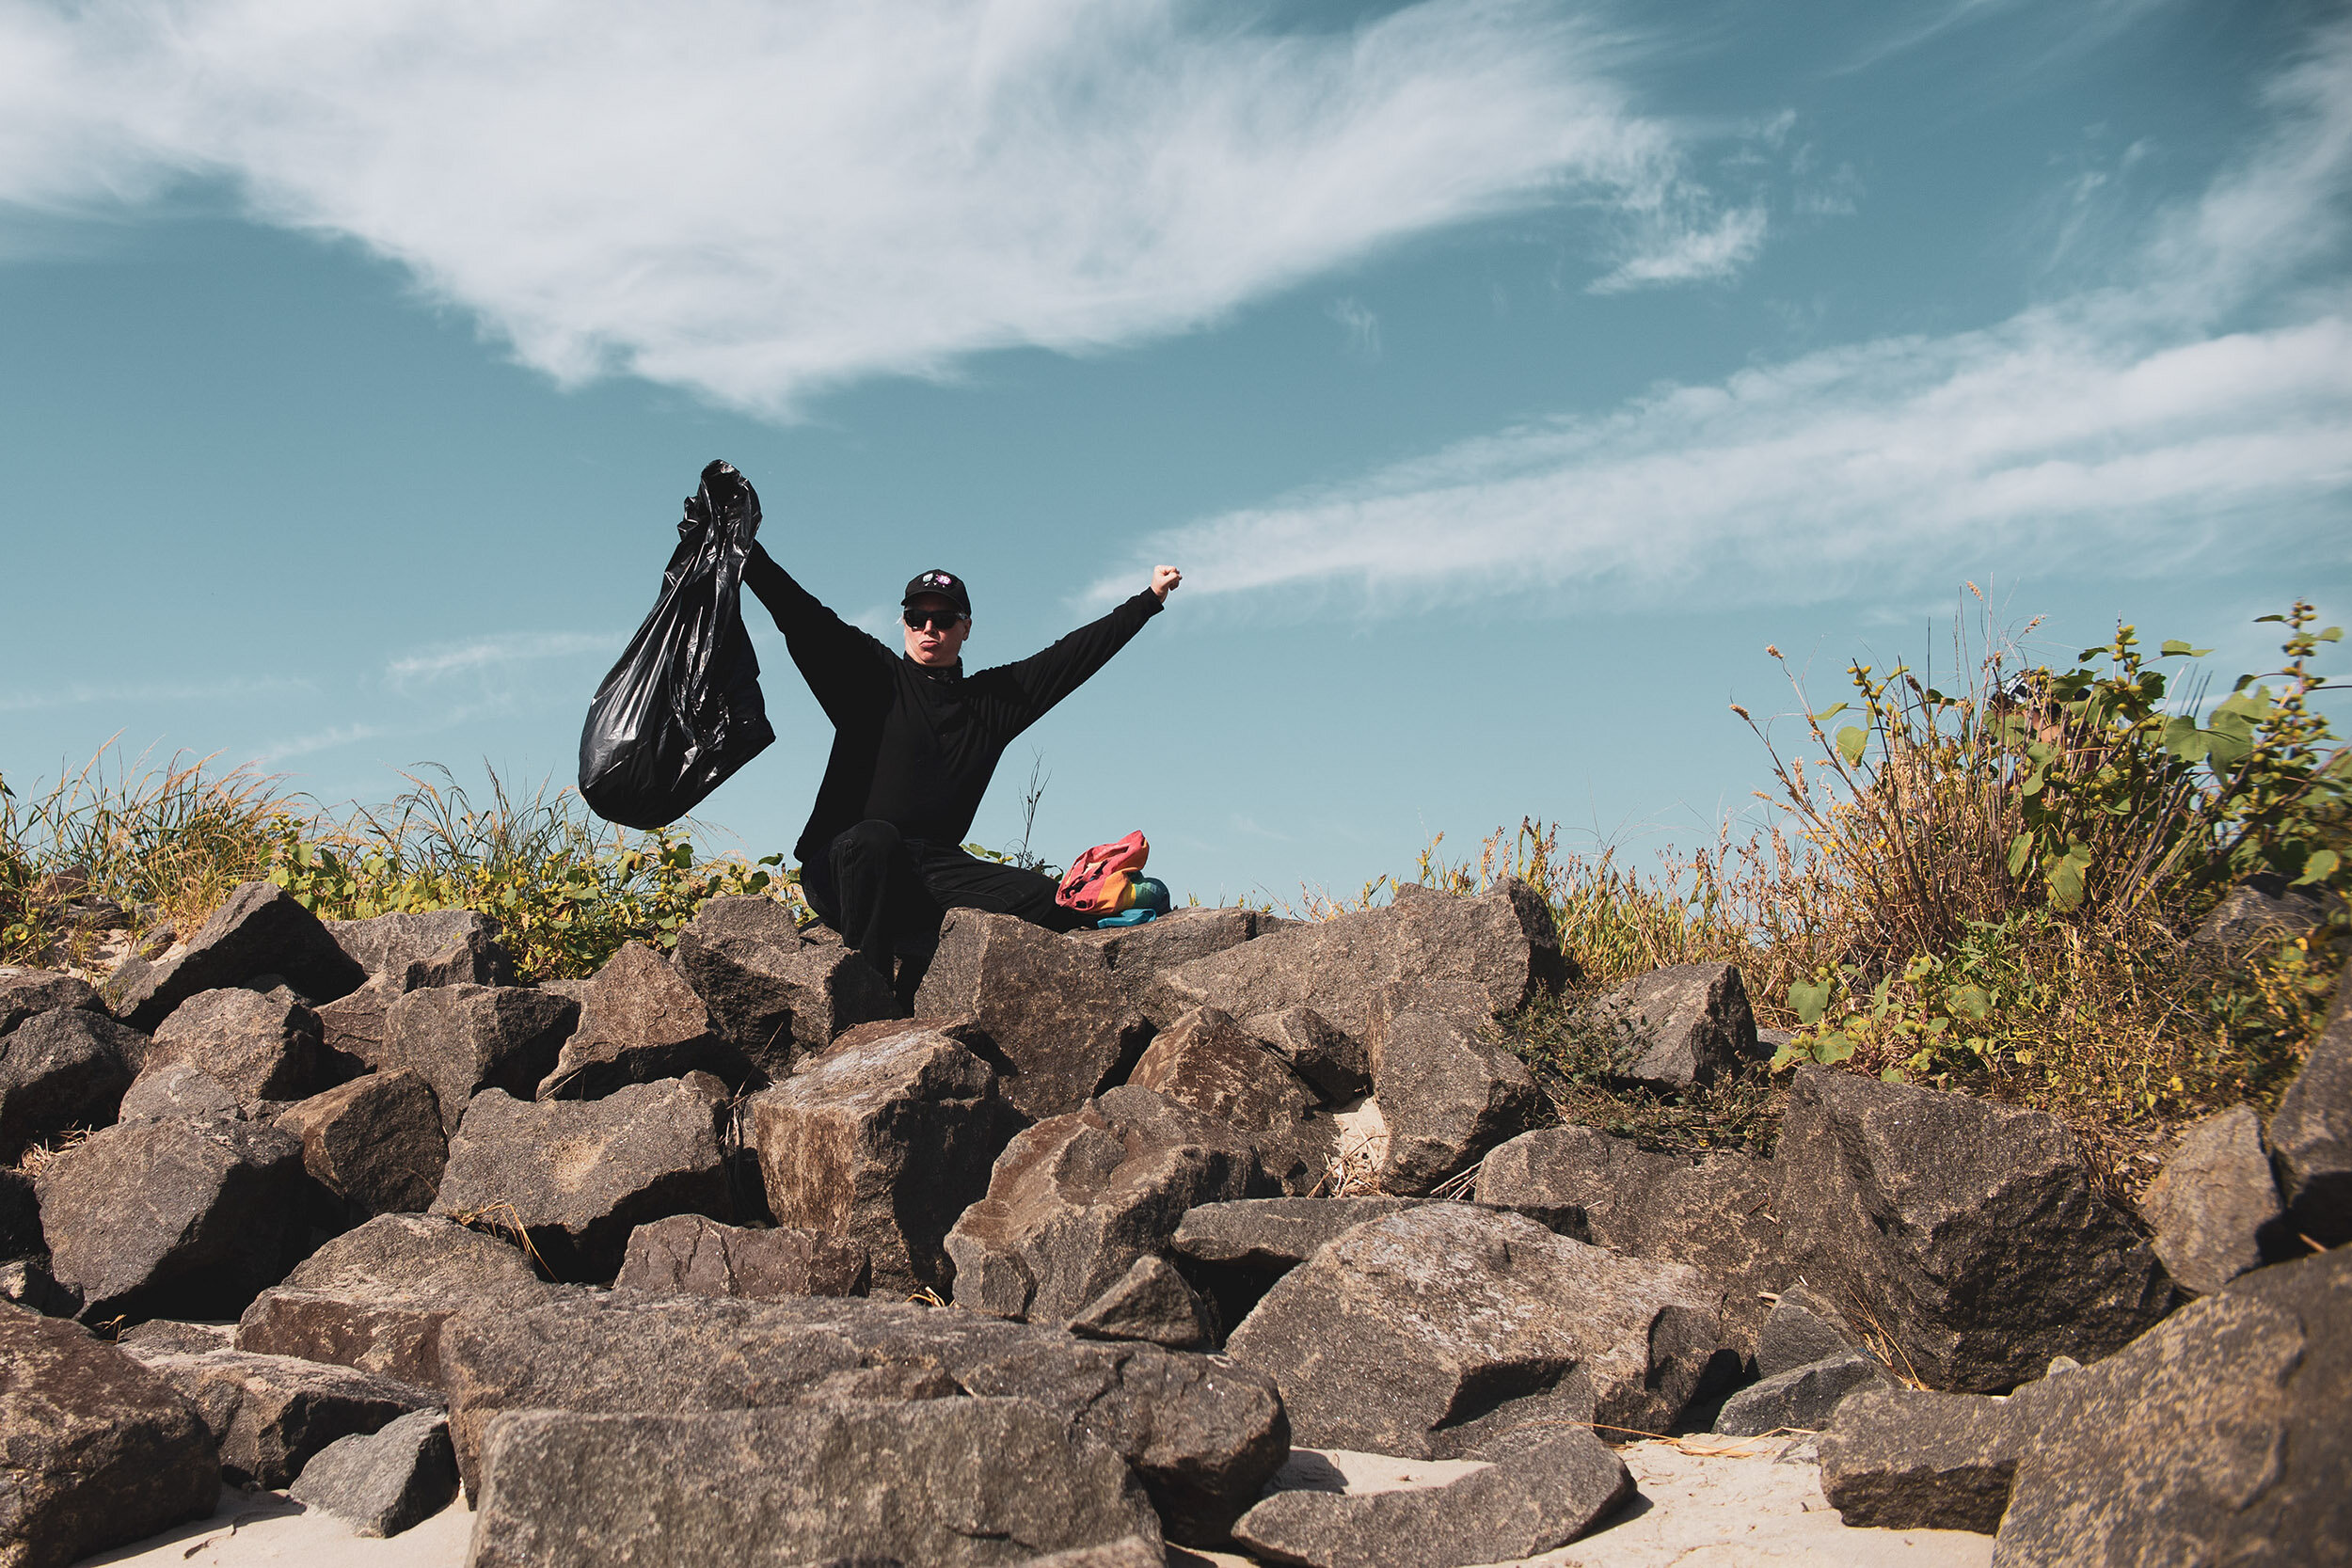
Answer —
(81, 693)
(318, 740)
(1361, 324)
(490, 655)
(758, 202)
(2122, 424)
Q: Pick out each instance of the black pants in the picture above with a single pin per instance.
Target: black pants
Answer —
(886, 895)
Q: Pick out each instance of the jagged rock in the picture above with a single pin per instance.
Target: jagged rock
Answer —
(62, 1069)
(26, 991)
(2258, 909)
(1713, 1212)
(641, 1023)
(2216, 1437)
(210, 1225)
(1544, 1490)
(1074, 1200)
(1317, 1049)
(1796, 1335)
(577, 1175)
(1236, 1251)
(1491, 953)
(1448, 1095)
(409, 951)
(1149, 1302)
(1136, 956)
(258, 930)
(28, 1285)
(377, 1297)
(1058, 1017)
(179, 1089)
(259, 1045)
(938, 1482)
(463, 1039)
(1898, 1458)
(1802, 1398)
(1972, 1233)
(2311, 1135)
(383, 1481)
(1206, 1061)
(20, 1213)
(375, 1142)
(692, 1255)
(269, 1414)
(1201, 1435)
(170, 1337)
(1676, 1027)
(98, 1449)
(2214, 1205)
(882, 1142)
(1433, 1330)
(773, 995)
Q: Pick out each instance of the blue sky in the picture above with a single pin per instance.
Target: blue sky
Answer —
(1505, 376)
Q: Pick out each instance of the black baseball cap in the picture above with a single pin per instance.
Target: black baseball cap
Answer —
(945, 585)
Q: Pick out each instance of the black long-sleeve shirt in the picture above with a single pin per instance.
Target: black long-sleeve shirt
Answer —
(911, 745)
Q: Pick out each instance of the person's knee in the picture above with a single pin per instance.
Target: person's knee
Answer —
(868, 843)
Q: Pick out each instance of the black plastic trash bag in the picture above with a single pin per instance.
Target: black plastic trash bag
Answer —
(682, 710)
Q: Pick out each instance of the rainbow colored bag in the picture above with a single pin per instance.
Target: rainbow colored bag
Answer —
(1101, 881)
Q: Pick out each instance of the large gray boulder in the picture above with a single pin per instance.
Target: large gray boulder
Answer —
(178, 1089)
(1899, 1458)
(269, 1414)
(1207, 1062)
(1971, 1232)
(1677, 1027)
(61, 1068)
(1076, 1199)
(1202, 1435)
(95, 1449)
(26, 991)
(1234, 1251)
(1068, 1028)
(383, 1481)
(1150, 1302)
(1802, 1398)
(696, 1256)
(435, 947)
(172, 1218)
(375, 1142)
(2214, 1206)
(1437, 1329)
(1545, 1488)
(1316, 1049)
(2261, 909)
(1801, 1328)
(881, 1142)
(464, 1038)
(577, 1175)
(774, 995)
(261, 1045)
(2311, 1135)
(260, 930)
(1448, 1094)
(1494, 951)
(640, 1023)
(377, 1297)
(1713, 1212)
(952, 1482)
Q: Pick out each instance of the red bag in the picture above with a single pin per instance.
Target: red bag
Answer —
(1097, 879)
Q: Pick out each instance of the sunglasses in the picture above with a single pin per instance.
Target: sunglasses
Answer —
(943, 619)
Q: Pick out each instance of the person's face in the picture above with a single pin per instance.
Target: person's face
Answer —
(939, 642)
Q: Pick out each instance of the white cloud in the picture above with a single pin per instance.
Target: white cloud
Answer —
(2121, 424)
(1361, 324)
(318, 740)
(82, 693)
(488, 655)
(1686, 254)
(758, 202)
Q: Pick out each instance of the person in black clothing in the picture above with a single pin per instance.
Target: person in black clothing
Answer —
(916, 740)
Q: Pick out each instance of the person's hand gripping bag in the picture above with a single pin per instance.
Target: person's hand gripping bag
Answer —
(682, 710)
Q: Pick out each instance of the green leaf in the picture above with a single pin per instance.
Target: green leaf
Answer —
(1851, 740)
(1810, 1001)
(2173, 645)
(2066, 877)
(2260, 619)
(2334, 634)
(2183, 739)
(2019, 852)
(2319, 867)
(1832, 1046)
(1830, 712)
(1974, 1001)
(1892, 1075)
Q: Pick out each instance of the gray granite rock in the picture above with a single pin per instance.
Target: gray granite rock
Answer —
(1898, 1458)
(383, 1481)
(1802, 1398)
(179, 1089)
(65, 1067)
(1149, 1302)
(952, 1482)
(269, 1414)
(259, 1045)
(375, 1142)
(409, 951)
(99, 1451)
(774, 995)
(1448, 1094)
(1680, 1026)
(1429, 1332)
(26, 991)
(1795, 1334)
(1275, 1233)
(26, 1282)
(2214, 1206)
(173, 1336)
(1064, 1024)
(1206, 1061)
(1545, 1489)
(464, 1038)
(260, 930)
(1317, 1050)
(2259, 909)
(1202, 1435)
(694, 1255)
(20, 1214)
(640, 1023)
(578, 1176)
(2311, 1135)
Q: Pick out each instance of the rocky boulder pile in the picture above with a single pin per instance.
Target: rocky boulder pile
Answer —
(714, 1257)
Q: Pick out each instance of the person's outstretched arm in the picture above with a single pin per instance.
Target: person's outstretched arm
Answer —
(1045, 678)
(835, 658)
